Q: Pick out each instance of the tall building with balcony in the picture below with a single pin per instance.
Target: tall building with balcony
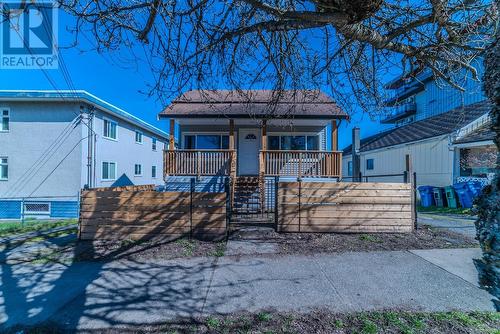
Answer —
(437, 131)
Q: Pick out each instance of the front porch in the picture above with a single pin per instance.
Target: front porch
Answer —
(252, 150)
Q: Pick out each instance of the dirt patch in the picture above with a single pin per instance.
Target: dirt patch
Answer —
(153, 248)
(320, 322)
(424, 237)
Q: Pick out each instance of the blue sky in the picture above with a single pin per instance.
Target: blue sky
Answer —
(100, 75)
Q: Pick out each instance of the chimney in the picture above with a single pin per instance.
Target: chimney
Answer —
(356, 161)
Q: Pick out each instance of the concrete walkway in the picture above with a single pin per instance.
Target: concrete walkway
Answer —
(463, 225)
(90, 295)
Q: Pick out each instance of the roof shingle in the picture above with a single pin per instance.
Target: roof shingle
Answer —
(442, 124)
(254, 103)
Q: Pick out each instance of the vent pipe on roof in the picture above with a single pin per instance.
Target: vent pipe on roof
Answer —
(356, 160)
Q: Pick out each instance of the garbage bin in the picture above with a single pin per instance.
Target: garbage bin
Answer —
(426, 196)
(439, 196)
(475, 187)
(451, 197)
(464, 193)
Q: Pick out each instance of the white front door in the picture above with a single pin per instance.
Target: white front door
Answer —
(248, 151)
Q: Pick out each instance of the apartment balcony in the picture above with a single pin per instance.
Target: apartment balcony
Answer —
(400, 112)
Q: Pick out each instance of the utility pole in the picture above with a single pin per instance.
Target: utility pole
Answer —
(88, 115)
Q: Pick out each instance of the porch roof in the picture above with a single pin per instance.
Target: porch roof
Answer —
(305, 104)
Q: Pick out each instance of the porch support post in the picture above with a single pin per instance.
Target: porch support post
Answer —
(262, 167)
(335, 136)
(233, 156)
(231, 134)
(171, 142)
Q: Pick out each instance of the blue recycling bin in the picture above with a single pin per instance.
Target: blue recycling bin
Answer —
(426, 196)
(475, 187)
(465, 195)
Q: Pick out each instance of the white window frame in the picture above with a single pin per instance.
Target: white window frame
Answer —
(102, 170)
(2, 117)
(201, 133)
(140, 166)
(37, 212)
(156, 172)
(4, 164)
(136, 132)
(306, 134)
(154, 144)
(104, 120)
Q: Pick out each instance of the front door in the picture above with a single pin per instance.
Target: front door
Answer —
(248, 151)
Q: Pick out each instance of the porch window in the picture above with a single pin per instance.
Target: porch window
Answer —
(478, 161)
(206, 142)
(293, 143)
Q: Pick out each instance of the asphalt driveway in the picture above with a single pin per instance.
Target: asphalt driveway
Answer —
(120, 293)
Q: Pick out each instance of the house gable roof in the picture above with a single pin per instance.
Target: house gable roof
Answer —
(438, 125)
(254, 104)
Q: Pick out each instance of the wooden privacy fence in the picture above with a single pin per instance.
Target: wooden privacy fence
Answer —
(345, 207)
(142, 214)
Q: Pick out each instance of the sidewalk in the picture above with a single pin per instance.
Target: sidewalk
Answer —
(463, 225)
(90, 295)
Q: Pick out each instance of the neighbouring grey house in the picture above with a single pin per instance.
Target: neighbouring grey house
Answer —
(54, 143)
(439, 133)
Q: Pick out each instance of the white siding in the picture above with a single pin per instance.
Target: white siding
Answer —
(431, 159)
(125, 152)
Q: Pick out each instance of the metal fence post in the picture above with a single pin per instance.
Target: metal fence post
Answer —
(414, 189)
(191, 191)
(276, 189)
(405, 176)
(22, 211)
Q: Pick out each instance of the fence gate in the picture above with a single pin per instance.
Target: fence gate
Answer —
(253, 200)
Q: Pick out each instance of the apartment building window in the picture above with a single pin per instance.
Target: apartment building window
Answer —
(4, 168)
(153, 145)
(349, 168)
(138, 137)
(108, 170)
(138, 170)
(153, 171)
(4, 126)
(109, 129)
(369, 164)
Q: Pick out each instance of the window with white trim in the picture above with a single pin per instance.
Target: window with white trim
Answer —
(4, 168)
(138, 170)
(109, 129)
(153, 145)
(108, 170)
(153, 172)
(138, 137)
(5, 124)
